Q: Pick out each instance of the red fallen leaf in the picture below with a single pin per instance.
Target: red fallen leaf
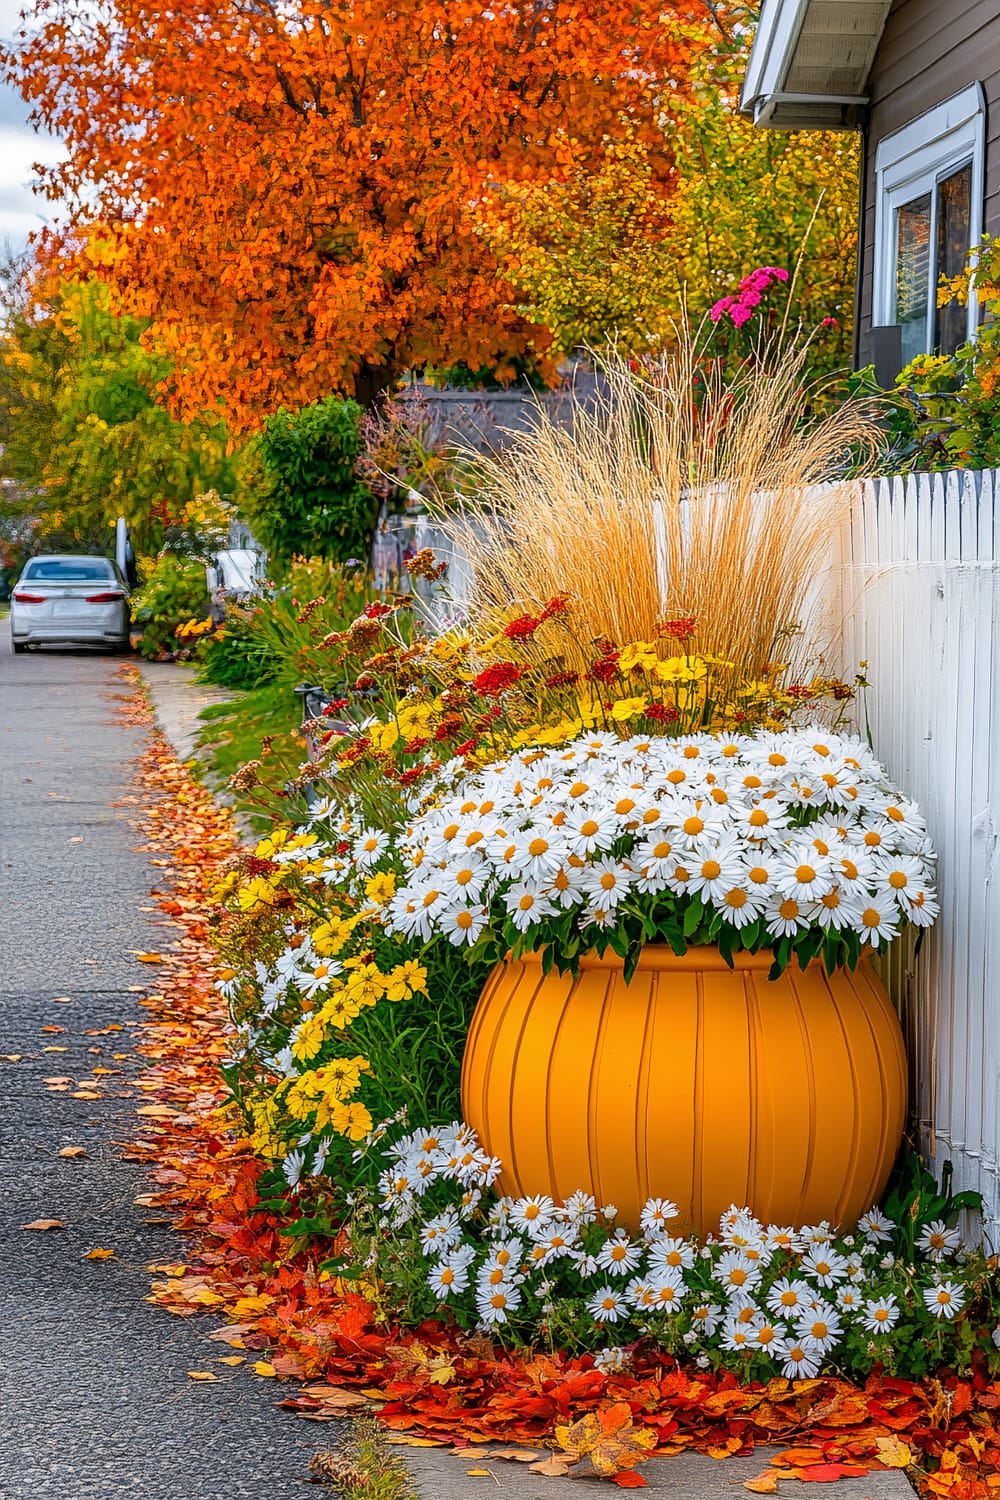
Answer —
(629, 1479)
(827, 1473)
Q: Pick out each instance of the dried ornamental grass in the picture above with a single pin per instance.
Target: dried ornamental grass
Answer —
(683, 490)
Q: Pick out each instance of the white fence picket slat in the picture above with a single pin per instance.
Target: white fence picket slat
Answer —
(921, 593)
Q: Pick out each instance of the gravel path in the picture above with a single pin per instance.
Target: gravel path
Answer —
(95, 1399)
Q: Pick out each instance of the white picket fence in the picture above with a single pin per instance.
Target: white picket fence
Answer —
(921, 593)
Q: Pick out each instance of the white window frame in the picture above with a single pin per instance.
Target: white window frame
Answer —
(911, 162)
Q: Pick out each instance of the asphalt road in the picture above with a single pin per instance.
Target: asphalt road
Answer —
(95, 1401)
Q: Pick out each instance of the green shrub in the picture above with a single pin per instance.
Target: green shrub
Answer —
(238, 656)
(173, 592)
(299, 488)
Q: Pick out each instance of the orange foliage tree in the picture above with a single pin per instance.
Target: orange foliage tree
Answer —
(294, 187)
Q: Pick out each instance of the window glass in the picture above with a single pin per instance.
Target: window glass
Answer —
(70, 569)
(913, 269)
(954, 227)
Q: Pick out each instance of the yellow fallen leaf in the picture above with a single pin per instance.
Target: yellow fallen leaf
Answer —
(44, 1224)
(150, 958)
(202, 1375)
(764, 1484)
(99, 1254)
(402, 1440)
(480, 1473)
(263, 1368)
(893, 1452)
(85, 1094)
(99, 1071)
(62, 1000)
(12, 1056)
(158, 1111)
(232, 1359)
(57, 1078)
(72, 1151)
(55, 1049)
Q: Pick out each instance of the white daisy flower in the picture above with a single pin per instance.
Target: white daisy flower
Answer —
(803, 873)
(619, 1255)
(736, 1271)
(944, 1299)
(715, 873)
(667, 1253)
(368, 848)
(762, 822)
(819, 1329)
(923, 909)
(740, 904)
(440, 1233)
(874, 1226)
(879, 920)
(782, 1237)
(663, 1292)
(534, 1213)
(655, 1215)
(786, 915)
(495, 1304)
(789, 1296)
(697, 826)
(526, 905)
(849, 1298)
(590, 830)
(765, 1334)
(580, 1208)
(705, 1318)
(607, 1305)
(736, 1336)
(463, 924)
(293, 1167)
(797, 1361)
(937, 1239)
(537, 856)
(825, 1266)
(881, 1315)
(606, 882)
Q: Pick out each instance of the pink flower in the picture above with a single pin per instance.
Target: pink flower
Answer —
(829, 323)
(741, 314)
(750, 298)
(717, 309)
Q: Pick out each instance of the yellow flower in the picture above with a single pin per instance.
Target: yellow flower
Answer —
(352, 1120)
(329, 937)
(640, 654)
(340, 1010)
(628, 708)
(406, 980)
(414, 720)
(256, 892)
(309, 1038)
(384, 736)
(681, 669)
(380, 889)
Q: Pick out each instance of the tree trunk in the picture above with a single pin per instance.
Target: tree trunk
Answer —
(372, 383)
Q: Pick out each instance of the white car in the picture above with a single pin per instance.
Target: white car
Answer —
(72, 599)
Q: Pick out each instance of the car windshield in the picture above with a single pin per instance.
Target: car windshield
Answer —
(70, 570)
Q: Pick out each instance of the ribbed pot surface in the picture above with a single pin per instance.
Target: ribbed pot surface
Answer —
(694, 1082)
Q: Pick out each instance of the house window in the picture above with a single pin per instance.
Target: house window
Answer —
(928, 215)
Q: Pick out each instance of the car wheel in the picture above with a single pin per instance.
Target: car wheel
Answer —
(18, 646)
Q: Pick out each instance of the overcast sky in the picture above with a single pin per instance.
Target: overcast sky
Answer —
(20, 147)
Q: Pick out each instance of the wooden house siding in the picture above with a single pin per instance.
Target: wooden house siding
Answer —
(929, 51)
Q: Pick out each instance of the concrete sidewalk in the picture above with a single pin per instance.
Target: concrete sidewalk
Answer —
(178, 698)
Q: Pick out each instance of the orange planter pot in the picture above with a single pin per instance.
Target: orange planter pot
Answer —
(694, 1082)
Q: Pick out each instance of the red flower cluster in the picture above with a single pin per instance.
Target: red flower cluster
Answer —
(497, 679)
(521, 627)
(681, 629)
(562, 679)
(661, 714)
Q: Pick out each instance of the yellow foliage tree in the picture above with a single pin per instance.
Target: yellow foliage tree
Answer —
(619, 249)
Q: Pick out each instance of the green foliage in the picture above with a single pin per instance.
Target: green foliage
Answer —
(237, 656)
(173, 591)
(84, 436)
(947, 409)
(299, 487)
(913, 1199)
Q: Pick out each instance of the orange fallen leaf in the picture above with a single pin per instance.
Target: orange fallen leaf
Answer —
(44, 1224)
(150, 958)
(628, 1479)
(202, 1375)
(53, 1028)
(764, 1484)
(516, 1455)
(480, 1473)
(608, 1438)
(72, 1151)
(99, 1254)
(85, 1094)
(791, 1457)
(828, 1473)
